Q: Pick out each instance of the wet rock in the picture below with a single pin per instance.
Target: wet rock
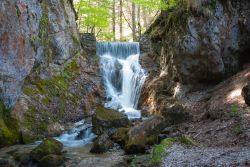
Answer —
(47, 147)
(142, 134)
(107, 121)
(246, 94)
(51, 161)
(102, 144)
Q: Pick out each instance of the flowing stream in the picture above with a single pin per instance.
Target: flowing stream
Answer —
(123, 76)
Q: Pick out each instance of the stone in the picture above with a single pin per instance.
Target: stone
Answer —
(102, 144)
(121, 136)
(246, 94)
(142, 134)
(51, 161)
(47, 147)
(107, 121)
(88, 42)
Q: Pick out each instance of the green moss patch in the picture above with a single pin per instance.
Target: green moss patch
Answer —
(107, 114)
(159, 151)
(47, 147)
(9, 129)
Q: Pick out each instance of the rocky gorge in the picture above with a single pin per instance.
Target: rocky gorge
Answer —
(194, 102)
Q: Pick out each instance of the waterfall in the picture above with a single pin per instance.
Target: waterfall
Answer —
(122, 75)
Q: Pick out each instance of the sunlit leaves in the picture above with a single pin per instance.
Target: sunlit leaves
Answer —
(156, 4)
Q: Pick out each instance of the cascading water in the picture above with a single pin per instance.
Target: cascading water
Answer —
(123, 76)
(79, 135)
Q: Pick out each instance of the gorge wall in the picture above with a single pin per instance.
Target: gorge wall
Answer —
(44, 74)
(200, 42)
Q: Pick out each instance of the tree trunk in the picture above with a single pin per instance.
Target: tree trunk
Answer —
(114, 21)
(139, 21)
(145, 20)
(133, 22)
(121, 23)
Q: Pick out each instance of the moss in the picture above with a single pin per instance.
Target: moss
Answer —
(76, 41)
(43, 32)
(151, 140)
(18, 12)
(9, 129)
(187, 140)
(47, 147)
(121, 136)
(107, 114)
(159, 151)
(238, 129)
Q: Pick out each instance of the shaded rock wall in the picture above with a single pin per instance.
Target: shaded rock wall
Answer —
(196, 46)
(203, 43)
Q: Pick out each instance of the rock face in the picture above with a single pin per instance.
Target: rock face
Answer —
(46, 79)
(198, 43)
(33, 32)
(204, 43)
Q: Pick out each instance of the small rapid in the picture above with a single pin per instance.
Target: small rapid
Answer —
(80, 135)
(123, 76)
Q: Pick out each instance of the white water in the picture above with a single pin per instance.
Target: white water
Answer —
(123, 76)
(69, 139)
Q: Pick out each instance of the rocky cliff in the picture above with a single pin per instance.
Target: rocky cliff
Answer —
(44, 74)
(188, 50)
(200, 42)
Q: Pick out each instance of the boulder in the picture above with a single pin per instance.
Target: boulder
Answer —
(47, 147)
(246, 94)
(51, 161)
(144, 133)
(107, 121)
(121, 136)
(102, 144)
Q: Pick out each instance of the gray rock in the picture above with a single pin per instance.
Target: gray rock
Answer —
(88, 42)
(22, 29)
(102, 144)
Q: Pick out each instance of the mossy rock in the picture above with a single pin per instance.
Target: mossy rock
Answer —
(9, 129)
(136, 144)
(47, 147)
(51, 161)
(121, 136)
(107, 121)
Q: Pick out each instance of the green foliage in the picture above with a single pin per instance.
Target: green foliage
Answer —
(156, 4)
(93, 14)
